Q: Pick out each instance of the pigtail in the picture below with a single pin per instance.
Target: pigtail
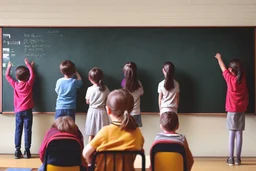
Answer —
(101, 85)
(128, 122)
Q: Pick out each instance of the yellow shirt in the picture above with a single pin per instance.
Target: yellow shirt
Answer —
(111, 137)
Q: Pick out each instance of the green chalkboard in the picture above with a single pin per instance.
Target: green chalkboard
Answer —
(192, 50)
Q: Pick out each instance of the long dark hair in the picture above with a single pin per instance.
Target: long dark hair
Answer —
(130, 75)
(121, 104)
(236, 68)
(169, 70)
(96, 75)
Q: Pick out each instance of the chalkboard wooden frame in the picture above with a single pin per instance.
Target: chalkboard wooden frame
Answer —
(143, 113)
(255, 66)
(1, 69)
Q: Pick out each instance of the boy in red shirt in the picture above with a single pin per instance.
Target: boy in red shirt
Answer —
(23, 104)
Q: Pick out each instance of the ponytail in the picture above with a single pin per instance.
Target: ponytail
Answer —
(121, 104)
(96, 75)
(236, 68)
(130, 74)
(169, 81)
(101, 85)
(239, 77)
(128, 122)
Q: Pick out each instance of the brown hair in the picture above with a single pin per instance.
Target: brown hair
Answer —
(67, 68)
(169, 121)
(96, 75)
(169, 69)
(22, 73)
(66, 124)
(236, 68)
(121, 104)
(130, 75)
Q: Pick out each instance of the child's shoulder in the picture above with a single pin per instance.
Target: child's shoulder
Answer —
(66, 80)
(161, 83)
(61, 79)
(171, 137)
(93, 88)
(175, 81)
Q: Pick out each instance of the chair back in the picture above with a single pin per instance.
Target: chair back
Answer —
(168, 155)
(116, 160)
(63, 154)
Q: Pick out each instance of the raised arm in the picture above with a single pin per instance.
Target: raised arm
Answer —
(30, 68)
(221, 63)
(9, 66)
(78, 76)
(7, 74)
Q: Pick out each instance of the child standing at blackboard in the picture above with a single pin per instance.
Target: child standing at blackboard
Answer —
(134, 86)
(66, 88)
(236, 105)
(168, 90)
(96, 97)
(23, 104)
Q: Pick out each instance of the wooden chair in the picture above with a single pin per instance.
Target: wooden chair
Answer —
(168, 156)
(116, 160)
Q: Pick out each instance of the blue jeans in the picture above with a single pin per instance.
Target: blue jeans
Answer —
(23, 118)
(65, 112)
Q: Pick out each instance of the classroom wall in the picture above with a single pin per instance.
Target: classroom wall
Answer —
(128, 13)
(207, 135)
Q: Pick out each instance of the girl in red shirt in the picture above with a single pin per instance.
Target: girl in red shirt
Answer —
(236, 105)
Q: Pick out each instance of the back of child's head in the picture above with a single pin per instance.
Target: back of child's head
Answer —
(121, 104)
(67, 68)
(96, 75)
(130, 75)
(169, 72)
(169, 121)
(65, 124)
(22, 73)
(236, 67)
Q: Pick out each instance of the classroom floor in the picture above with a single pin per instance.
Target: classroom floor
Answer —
(201, 164)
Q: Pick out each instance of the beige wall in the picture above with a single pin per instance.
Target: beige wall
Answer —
(207, 135)
(128, 13)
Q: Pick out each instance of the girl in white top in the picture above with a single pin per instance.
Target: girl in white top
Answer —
(168, 90)
(134, 86)
(96, 96)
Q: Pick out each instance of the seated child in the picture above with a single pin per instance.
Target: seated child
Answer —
(169, 123)
(121, 134)
(63, 124)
